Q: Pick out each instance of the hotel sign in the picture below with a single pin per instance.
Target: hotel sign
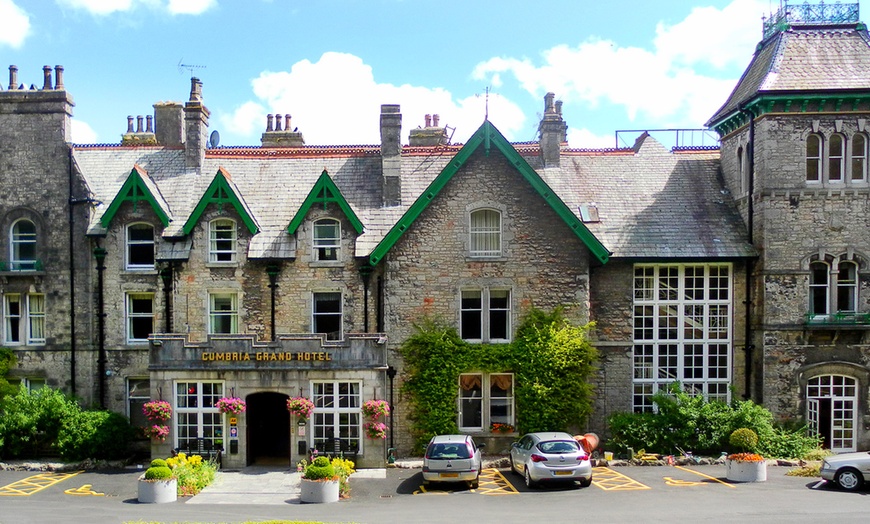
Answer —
(285, 356)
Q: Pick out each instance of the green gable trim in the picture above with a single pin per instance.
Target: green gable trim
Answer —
(134, 191)
(220, 193)
(488, 136)
(325, 192)
(789, 103)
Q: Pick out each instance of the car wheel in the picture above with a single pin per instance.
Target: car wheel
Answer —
(585, 483)
(474, 484)
(528, 478)
(850, 479)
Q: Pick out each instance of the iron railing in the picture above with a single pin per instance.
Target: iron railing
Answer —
(806, 13)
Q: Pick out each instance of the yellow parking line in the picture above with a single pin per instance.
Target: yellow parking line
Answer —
(30, 485)
(84, 490)
(609, 480)
(492, 482)
(706, 476)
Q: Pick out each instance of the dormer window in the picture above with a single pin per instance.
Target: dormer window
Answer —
(485, 233)
(140, 247)
(327, 239)
(23, 246)
(222, 240)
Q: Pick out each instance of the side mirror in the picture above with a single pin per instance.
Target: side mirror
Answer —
(514, 444)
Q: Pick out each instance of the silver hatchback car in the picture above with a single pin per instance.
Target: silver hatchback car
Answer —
(550, 457)
(452, 458)
(849, 470)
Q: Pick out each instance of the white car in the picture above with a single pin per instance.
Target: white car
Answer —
(849, 470)
(550, 457)
(452, 458)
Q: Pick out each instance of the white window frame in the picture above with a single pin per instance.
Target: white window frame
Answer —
(485, 233)
(814, 158)
(216, 315)
(482, 402)
(486, 313)
(19, 241)
(223, 241)
(858, 148)
(133, 316)
(195, 413)
(319, 298)
(137, 247)
(337, 411)
(836, 165)
(683, 316)
(327, 248)
(831, 287)
(35, 319)
(840, 393)
(24, 323)
(138, 393)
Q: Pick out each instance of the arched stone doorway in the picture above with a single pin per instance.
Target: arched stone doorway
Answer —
(832, 410)
(268, 430)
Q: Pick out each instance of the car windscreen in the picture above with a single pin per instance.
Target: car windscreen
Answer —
(558, 446)
(447, 451)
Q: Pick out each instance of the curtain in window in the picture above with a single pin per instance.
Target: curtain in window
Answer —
(485, 233)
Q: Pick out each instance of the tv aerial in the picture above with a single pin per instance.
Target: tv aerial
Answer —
(190, 67)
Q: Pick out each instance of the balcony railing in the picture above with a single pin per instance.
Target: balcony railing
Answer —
(806, 13)
(841, 318)
(28, 265)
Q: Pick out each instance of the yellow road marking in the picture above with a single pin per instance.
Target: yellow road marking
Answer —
(492, 482)
(84, 490)
(706, 476)
(424, 491)
(30, 485)
(609, 480)
(670, 481)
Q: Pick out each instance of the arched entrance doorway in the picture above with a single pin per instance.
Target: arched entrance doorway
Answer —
(268, 430)
(832, 402)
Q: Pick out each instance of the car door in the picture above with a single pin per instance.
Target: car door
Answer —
(521, 452)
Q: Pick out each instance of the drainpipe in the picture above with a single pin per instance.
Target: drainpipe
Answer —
(272, 270)
(391, 374)
(380, 305)
(166, 276)
(72, 282)
(366, 272)
(749, 347)
(100, 255)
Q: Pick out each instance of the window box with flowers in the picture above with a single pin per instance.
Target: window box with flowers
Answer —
(375, 409)
(300, 406)
(157, 410)
(232, 405)
(375, 430)
(498, 427)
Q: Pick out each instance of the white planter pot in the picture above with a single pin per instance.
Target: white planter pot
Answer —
(739, 471)
(157, 491)
(318, 492)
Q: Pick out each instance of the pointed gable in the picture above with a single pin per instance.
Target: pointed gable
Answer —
(137, 188)
(324, 192)
(221, 192)
(488, 137)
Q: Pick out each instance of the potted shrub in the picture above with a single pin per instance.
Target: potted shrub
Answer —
(745, 465)
(158, 485)
(320, 483)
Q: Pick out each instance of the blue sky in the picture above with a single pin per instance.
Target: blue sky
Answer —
(635, 64)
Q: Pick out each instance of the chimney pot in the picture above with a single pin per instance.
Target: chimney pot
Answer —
(129, 123)
(139, 124)
(548, 103)
(195, 90)
(435, 119)
(58, 77)
(277, 122)
(149, 124)
(286, 122)
(269, 119)
(13, 77)
(428, 120)
(558, 107)
(46, 74)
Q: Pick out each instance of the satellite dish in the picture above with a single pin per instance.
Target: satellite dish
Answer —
(214, 139)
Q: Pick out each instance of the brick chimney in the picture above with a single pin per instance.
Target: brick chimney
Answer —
(195, 127)
(274, 136)
(391, 154)
(553, 131)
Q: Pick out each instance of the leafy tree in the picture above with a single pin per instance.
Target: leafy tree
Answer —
(7, 362)
(31, 421)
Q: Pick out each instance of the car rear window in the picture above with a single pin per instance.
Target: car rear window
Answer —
(447, 451)
(558, 446)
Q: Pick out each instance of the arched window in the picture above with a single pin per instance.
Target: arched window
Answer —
(140, 246)
(23, 246)
(836, 157)
(485, 231)
(847, 287)
(814, 158)
(327, 239)
(859, 157)
(833, 287)
(744, 183)
(222, 240)
(819, 288)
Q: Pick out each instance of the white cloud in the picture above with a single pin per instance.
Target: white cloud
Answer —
(586, 139)
(82, 133)
(337, 100)
(99, 7)
(190, 7)
(14, 24)
(665, 85)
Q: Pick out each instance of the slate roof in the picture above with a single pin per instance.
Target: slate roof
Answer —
(804, 59)
(652, 203)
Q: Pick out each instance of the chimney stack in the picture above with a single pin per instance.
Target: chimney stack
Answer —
(552, 130)
(169, 123)
(195, 127)
(391, 154)
(13, 77)
(430, 135)
(278, 137)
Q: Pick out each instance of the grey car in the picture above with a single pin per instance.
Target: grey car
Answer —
(452, 458)
(849, 470)
(550, 457)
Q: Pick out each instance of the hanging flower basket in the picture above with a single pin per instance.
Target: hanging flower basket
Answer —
(233, 405)
(157, 410)
(300, 406)
(375, 409)
(158, 433)
(375, 430)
